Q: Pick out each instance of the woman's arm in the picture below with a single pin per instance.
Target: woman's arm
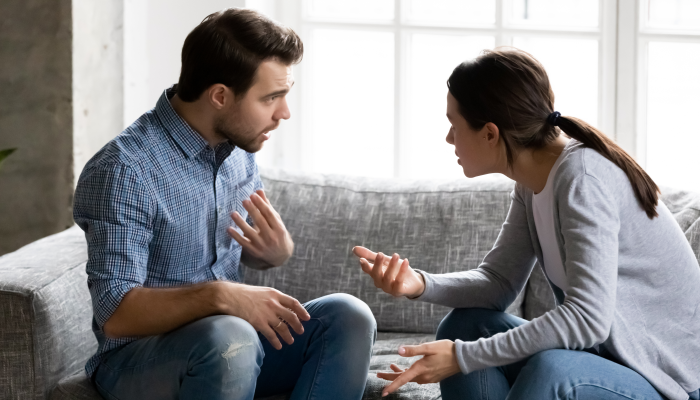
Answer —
(590, 225)
(494, 284)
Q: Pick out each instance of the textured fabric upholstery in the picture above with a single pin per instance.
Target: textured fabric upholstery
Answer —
(443, 226)
(45, 315)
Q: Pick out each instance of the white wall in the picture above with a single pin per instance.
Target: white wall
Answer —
(154, 31)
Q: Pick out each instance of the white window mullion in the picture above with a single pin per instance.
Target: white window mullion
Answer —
(626, 102)
(398, 104)
(607, 66)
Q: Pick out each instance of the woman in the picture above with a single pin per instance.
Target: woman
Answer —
(627, 283)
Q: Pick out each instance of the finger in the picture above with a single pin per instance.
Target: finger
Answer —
(391, 272)
(402, 275)
(401, 380)
(389, 376)
(378, 269)
(366, 266)
(418, 350)
(242, 240)
(261, 193)
(291, 318)
(258, 219)
(396, 368)
(271, 336)
(283, 330)
(247, 230)
(364, 252)
(266, 211)
(296, 307)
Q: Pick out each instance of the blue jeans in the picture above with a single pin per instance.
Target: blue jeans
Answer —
(223, 357)
(551, 374)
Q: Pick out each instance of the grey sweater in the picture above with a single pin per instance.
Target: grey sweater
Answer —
(634, 283)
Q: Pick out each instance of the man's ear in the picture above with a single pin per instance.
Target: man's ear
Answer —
(219, 95)
(492, 134)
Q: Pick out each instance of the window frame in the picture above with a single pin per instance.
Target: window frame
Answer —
(623, 43)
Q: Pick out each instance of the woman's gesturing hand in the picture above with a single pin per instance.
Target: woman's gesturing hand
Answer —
(397, 279)
(439, 362)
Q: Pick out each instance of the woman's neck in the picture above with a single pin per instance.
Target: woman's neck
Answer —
(531, 168)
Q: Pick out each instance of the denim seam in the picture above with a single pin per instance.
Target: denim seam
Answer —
(568, 393)
(320, 358)
(112, 397)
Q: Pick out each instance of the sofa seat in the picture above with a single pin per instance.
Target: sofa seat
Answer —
(385, 352)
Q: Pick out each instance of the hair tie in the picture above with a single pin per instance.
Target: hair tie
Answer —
(553, 118)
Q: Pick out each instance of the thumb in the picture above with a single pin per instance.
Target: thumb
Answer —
(410, 351)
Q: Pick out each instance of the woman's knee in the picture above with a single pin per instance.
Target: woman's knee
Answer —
(470, 324)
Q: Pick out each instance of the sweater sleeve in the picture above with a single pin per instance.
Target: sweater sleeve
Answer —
(499, 278)
(589, 223)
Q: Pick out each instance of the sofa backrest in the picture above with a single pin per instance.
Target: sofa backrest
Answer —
(441, 226)
(45, 308)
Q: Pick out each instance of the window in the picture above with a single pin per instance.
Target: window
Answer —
(373, 79)
(668, 95)
(371, 93)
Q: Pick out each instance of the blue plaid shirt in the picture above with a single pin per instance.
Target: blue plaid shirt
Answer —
(155, 203)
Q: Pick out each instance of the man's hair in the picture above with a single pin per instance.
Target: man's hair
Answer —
(228, 47)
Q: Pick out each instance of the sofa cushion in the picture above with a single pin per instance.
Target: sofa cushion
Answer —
(441, 226)
(45, 315)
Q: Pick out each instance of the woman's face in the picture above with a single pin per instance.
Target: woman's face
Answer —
(476, 150)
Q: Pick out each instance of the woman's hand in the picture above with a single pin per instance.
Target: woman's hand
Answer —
(398, 279)
(439, 362)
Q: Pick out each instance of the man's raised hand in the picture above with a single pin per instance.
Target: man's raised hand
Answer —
(268, 240)
(391, 274)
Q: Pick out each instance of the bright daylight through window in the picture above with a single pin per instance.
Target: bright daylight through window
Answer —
(372, 83)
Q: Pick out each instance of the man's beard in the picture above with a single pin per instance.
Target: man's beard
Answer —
(238, 134)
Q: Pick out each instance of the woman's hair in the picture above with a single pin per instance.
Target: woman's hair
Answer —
(510, 88)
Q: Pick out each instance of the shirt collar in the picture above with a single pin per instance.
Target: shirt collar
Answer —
(191, 142)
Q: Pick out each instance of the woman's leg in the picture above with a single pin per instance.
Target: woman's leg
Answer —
(571, 374)
(470, 324)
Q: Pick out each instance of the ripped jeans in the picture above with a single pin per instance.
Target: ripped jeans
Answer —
(223, 357)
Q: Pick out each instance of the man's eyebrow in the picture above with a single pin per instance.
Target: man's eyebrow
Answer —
(278, 92)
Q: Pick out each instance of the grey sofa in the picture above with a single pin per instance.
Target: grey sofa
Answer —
(442, 226)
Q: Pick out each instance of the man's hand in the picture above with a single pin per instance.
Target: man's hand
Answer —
(268, 240)
(397, 279)
(268, 310)
(439, 362)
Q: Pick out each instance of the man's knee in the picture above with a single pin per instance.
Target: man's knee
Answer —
(469, 324)
(350, 312)
(226, 342)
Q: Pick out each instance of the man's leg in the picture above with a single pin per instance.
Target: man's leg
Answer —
(471, 324)
(217, 357)
(571, 374)
(330, 360)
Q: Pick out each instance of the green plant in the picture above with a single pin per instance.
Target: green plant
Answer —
(4, 154)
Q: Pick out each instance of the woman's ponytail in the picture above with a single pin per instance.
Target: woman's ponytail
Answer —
(645, 189)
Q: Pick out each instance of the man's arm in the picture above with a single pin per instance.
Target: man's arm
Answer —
(152, 311)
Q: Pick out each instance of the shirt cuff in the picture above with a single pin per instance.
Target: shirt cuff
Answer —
(109, 299)
(428, 287)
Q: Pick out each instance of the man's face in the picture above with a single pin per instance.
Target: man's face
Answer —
(247, 122)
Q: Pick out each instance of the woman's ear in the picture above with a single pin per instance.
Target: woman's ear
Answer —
(492, 134)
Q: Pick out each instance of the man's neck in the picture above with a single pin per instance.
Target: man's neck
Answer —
(198, 118)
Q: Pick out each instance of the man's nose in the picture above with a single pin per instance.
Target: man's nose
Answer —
(283, 111)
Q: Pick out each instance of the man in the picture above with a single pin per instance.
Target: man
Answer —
(170, 316)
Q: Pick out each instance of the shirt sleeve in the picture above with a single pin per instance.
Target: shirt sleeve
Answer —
(114, 209)
(500, 277)
(589, 222)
